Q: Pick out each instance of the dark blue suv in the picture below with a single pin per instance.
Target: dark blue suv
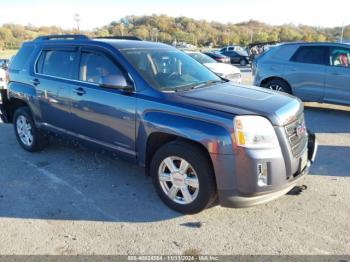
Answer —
(198, 136)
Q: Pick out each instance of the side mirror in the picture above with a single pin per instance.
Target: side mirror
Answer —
(116, 82)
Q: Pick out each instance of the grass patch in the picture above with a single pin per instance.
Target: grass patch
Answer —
(7, 53)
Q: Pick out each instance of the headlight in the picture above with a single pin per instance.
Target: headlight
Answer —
(254, 132)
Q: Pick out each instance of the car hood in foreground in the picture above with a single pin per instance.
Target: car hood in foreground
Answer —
(243, 100)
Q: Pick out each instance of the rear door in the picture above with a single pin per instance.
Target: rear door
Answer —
(306, 72)
(55, 75)
(337, 88)
(102, 115)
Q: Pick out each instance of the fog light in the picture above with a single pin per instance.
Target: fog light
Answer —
(262, 175)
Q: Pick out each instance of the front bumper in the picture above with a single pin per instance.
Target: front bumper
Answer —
(227, 199)
(244, 191)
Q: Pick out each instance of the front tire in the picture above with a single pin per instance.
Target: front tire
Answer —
(183, 177)
(278, 85)
(28, 135)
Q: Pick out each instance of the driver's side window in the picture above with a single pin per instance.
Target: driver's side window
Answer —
(340, 57)
(95, 67)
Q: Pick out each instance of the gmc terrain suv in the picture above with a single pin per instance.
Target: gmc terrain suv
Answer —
(318, 72)
(198, 136)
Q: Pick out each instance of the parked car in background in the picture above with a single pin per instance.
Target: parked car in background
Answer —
(226, 71)
(237, 57)
(318, 72)
(258, 48)
(199, 137)
(4, 63)
(230, 48)
(218, 57)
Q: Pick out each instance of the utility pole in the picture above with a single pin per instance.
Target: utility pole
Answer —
(155, 32)
(342, 33)
(77, 20)
(124, 24)
(227, 32)
(122, 29)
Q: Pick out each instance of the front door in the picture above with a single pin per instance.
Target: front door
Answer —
(102, 115)
(337, 89)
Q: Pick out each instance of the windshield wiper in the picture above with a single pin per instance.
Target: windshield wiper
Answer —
(192, 86)
(206, 83)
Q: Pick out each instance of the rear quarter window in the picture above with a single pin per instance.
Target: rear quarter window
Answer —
(22, 58)
(283, 52)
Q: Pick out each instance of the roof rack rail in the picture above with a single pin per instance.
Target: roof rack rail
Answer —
(61, 37)
(127, 37)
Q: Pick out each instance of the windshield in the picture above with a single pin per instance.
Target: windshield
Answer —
(201, 58)
(169, 69)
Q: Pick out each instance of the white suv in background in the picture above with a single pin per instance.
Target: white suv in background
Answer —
(223, 70)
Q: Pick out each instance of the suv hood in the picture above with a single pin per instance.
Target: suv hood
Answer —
(280, 108)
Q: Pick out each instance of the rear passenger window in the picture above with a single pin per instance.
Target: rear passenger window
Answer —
(22, 57)
(57, 63)
(95, 67)
(311, 55)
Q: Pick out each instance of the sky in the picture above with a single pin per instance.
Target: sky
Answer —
(96, 13)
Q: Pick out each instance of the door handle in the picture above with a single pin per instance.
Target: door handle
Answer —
(35, 82)
(336, 74)
(79, 91)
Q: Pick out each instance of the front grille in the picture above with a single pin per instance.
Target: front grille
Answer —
(297, 141)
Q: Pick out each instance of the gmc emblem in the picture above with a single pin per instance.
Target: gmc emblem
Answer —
(301, 129)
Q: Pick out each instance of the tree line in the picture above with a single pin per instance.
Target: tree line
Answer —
(167, 29)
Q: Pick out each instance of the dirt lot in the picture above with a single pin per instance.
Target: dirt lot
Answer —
(70, 200)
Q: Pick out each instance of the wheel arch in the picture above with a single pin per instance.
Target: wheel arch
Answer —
(20, 95)
(13, 105)
(158, 139)
(266, 80)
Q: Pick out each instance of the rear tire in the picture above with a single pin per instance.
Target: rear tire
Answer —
(28, 135)
(183, 177)
(277, 84)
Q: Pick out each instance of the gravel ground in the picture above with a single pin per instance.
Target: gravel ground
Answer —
(70, 200)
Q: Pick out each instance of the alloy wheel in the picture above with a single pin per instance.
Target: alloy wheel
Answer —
(178, 180)
(24, 130)
(276, 87)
